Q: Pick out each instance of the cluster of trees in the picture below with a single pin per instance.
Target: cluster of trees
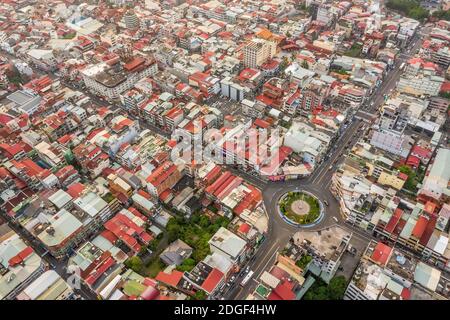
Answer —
(199, 295)
(196, 232)
(134, 263)
(442, 15)
(187, 265)
(411, 182)
(153, 245)
(354, 51)
(410, 8)
(445, 95)
(303, 261)
(333, 291)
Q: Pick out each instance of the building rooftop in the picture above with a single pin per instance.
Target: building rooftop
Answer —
(228, 242)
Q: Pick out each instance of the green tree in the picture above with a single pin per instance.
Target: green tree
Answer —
(204, 221)
(336, 288)
(199, 295)
(135, 263)
(143, 250)
(305, 64)
(321, 291)
(442, 14)
(317, 293)
(410, 8)
(187, 265)
(411, 182)
(445, 95)
(173, 230)
(154, 244)
(303, 261)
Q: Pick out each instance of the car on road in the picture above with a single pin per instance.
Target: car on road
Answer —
(330, 167)
(335, 219)
(352, 250)
(326, 203)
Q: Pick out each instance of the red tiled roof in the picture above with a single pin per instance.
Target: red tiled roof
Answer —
(133, 64)
(284, 291)
(413, 161)
(261, 123)
(213, 174)
(151, 293)
(161, 173)
(172, 279)
(227, 187)
(403, 176)
(212, 280)
(406, 294)
(279, 273)
(420, 226)
(381, 253)
(21, 256)
(445, 87)
(430, 207)
(394, 220)
(244, 228)
(426, 235)
(165, 194)
(108, 235)
(399, 227)
(99, 271)
(213, 187)
(250, 201)
(421, 152)
(75, 190)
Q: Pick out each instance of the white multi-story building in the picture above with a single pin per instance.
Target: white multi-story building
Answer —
(233, 90)
(420, 85)
(258, 51)
(104, 80)
(228, 244)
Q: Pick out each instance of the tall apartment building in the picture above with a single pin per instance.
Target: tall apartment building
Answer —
(441, 56)
(131, 20)
(258, 51)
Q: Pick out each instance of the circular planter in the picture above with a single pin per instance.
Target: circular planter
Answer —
(300, 208)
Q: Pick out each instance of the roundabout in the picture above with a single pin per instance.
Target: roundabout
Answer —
(300, 208)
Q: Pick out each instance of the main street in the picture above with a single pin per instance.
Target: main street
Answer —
(318, 183)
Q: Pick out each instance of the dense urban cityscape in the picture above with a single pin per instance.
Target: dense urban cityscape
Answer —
(224, 150)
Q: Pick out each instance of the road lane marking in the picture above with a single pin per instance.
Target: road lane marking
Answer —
(265, 256)
(268, 260)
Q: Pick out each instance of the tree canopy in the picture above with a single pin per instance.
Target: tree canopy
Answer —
(442, 15)
(135, 263)
(410, 8)
(333, 291)
(196, 232)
